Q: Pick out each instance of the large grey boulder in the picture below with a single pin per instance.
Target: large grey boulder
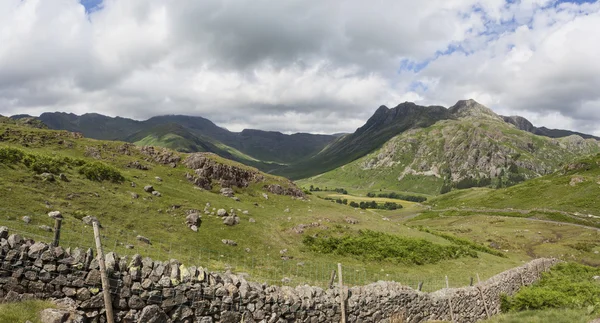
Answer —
(148, 188)
(221, 212)
(55, 215)
(52, 315)
(231, 220)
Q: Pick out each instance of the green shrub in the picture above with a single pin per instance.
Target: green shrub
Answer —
(44, 164)
(98, 171)
(567, 285)
(377, 246)
(11, 155)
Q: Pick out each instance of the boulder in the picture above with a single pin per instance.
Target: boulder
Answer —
(45, 228)
(63, 177)
(227, 192)
(3, 232)
(148, 188)
(26, 219)
(47, 177)
(265, 196)
(231, 220)
(158, 179)
(143, 239)
(134, 195)
(222, 212)
(156, 193)
(229, 242)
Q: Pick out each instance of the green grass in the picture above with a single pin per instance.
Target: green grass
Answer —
(23, 311)
(162, 220)
(545, 316)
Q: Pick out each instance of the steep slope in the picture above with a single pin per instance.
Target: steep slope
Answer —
(383, 125)
(475, 147)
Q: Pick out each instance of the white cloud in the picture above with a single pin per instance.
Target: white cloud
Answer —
(321, 66)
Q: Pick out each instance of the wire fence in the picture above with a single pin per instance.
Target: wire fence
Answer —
(277, 270)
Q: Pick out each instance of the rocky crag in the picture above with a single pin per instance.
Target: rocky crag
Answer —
(475, 147)
(144, 290)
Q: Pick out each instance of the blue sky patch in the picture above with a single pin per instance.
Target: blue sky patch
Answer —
(91, 5)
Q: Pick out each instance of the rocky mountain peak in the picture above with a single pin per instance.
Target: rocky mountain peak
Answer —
(472, 109)
(520, 122)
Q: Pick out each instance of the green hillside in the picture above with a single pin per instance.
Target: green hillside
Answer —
(475, 149)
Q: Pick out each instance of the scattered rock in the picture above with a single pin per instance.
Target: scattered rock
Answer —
(231, 220)
(63, 177)
(351, 220)
(156, 193)
(576, 180)
(229, 242)
(134, 195)
(227, 192)
(251, 220)
(193, 221)
(247, 249)
(287, 210)
(148, 188)
(26, 219)
(45, 228)
(143, 239)
(283, 251)
(222, 212)
(158, 178)
(55, 215)
(265, 196)
(136, 165)
(129, 246)
(47, 177)
(245, 212)
(88, 219)
(161, 155)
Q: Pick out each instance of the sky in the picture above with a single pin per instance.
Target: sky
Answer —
(321, 66)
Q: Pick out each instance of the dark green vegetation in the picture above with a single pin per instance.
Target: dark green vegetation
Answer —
(568, 285)
(397, 196)
(376, 246)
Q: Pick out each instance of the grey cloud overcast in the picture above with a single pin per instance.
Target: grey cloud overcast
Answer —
(312, 65)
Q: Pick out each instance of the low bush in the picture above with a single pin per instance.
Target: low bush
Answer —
(98, 171)
(377, 246)
(11, 155)
(567, 285)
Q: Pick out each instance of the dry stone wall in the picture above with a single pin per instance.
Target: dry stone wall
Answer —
(144, 290)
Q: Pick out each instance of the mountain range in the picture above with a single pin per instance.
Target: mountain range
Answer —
(463, 143)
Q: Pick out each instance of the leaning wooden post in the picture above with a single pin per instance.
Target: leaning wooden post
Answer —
(105, 285)
(342, 298)
(487, 311)
(57, 224)
(331, 279)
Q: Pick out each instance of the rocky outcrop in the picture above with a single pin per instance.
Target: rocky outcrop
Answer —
(144, 290)
(291, 190)
(162, 156)
(207, 170)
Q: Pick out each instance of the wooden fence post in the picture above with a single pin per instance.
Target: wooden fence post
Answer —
(342, 296)
(450, 301)
(110, 318)
(57, 224)
(487, 311)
